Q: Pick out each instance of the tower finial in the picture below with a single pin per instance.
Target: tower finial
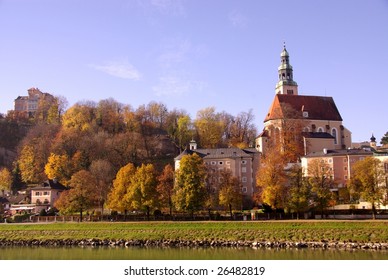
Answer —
(284, 44)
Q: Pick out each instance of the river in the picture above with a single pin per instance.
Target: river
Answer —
(141, 253)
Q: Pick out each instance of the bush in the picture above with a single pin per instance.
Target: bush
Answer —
(19, 218)
(43, 212)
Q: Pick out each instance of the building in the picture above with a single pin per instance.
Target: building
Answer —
(316, 117)
(340, 163)
(29, 104)
(243, 164)
(45, 195)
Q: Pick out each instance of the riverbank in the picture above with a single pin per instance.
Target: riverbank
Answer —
(271, 234)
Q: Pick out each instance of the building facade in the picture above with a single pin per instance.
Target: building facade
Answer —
(316, 118)
(29, 104)
(45, 195)
(242, 163)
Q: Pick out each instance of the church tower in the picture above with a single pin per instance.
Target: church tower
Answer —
(286, 84)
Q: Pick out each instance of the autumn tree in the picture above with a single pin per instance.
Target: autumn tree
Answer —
(189, 190)
(230, 194)
(142, 189)
(165, 187)
(242, 130)
(5, 180)
(118, 196)
(81, 195)
(80, 117)
(59, 167)
(212, 188)
(103, 173)
(298, 191)
(34, 151)
(320, 178)
(209, 127)
(271, 179)
(109, 115)
(29, 165)
(369, 181)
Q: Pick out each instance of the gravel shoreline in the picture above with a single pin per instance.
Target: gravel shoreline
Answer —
(193, 243)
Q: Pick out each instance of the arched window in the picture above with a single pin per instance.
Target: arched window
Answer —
(320, 129)
(334, 134)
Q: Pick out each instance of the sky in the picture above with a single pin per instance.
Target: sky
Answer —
(194, 54)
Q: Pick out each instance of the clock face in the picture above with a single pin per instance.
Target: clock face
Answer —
(305, 114)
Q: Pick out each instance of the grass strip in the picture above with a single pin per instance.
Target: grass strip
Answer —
(307, 231)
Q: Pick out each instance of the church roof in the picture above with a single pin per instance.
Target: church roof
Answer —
(315, 108)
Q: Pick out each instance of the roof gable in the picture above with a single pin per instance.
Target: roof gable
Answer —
(317, 108)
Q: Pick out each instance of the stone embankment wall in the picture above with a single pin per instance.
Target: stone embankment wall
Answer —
(194, 243)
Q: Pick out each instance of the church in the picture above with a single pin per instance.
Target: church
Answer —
(317, 117)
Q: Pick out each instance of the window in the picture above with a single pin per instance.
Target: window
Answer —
(244, 179)
(330, 160)
(334, 134)
(220, 162)
(243, 169)
(346, 177)
(320, 129)
(244, 189)
(243, 162)
(345, 168)
(213, 163)
(45, 193)
(227, 162)
(37, 193)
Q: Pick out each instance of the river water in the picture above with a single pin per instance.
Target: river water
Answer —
(136, 253)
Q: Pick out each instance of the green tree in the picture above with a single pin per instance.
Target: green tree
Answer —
(17, 182)
(369, 181)
(320, 177)
(5, 180)
(189, 190)
(117, 197)
(299, 191)
(165, 187)
(230, 194)
(384, 139)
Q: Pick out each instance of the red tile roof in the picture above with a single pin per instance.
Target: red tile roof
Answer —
(317, 107)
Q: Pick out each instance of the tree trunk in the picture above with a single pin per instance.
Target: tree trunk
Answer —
(148, 213)
(373, 211)
(230, 211)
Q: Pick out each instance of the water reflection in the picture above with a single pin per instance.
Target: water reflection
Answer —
(66, 253)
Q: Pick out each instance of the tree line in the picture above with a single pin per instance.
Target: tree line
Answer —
(102, 137)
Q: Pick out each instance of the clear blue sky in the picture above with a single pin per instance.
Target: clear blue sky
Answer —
(192, 54)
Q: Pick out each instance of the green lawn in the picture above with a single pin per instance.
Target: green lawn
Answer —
(359, 231)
